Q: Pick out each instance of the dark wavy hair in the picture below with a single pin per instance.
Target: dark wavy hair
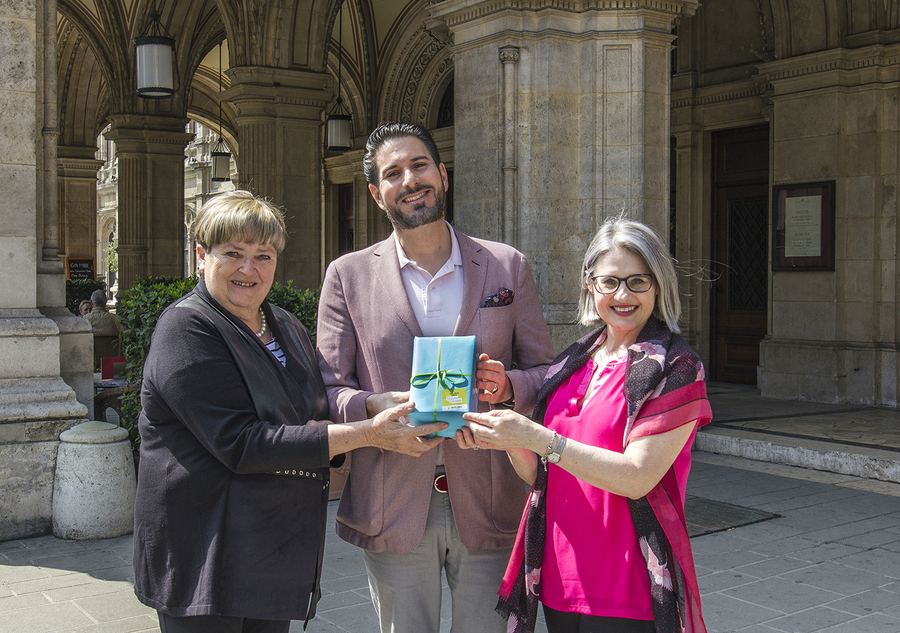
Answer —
(391, 130)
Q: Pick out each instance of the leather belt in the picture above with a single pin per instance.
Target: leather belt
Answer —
(440, 484)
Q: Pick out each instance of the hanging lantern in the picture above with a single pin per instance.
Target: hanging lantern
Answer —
(221, 162)
(155, 67)
(338, 127)
(339, 122)
(221, 157)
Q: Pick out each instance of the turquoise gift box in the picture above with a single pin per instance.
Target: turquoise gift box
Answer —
(443, 381)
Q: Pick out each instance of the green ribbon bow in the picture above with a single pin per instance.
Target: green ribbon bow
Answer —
(448, 379)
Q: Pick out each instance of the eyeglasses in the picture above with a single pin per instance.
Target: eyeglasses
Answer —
(607, 284)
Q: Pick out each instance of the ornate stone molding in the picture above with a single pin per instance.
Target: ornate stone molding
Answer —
(405, 98)
(78, 167)
(272, 92)
(456, 12)
(698, 98)
(429, 96)
(884, 59)
(509, 54)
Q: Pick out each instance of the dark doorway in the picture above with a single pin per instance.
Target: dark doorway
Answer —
(345, 219)
(740, 251)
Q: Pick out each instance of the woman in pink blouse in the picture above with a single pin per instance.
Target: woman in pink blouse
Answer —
(603, 542)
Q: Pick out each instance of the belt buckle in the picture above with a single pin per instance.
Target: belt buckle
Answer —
(440, 484)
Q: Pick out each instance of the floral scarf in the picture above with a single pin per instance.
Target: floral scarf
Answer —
(663, 373)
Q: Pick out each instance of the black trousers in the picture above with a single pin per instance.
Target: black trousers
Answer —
(219, 624)
(562, 622)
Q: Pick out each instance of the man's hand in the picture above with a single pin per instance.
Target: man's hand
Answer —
(378, 402)
(392, 432)
(493, 383)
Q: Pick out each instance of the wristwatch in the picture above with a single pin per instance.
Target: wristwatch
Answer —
(554, 453)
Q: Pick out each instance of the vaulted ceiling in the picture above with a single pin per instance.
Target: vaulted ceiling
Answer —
(392, 65)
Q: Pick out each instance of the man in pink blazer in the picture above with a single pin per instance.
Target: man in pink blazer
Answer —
(450, 509)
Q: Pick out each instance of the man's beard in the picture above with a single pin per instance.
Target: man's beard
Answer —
(420, 215)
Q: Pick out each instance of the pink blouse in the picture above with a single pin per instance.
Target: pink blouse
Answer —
(593, 563)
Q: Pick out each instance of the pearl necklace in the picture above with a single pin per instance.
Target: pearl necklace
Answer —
(262, 330)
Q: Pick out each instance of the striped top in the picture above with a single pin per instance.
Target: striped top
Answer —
(277, 352)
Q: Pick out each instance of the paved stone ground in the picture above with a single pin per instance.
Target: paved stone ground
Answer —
(829, 563)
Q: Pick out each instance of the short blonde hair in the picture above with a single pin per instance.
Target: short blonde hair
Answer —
(640, 239)
(239, 215)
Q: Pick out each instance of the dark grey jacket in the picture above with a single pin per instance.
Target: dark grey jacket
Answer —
(217, 531)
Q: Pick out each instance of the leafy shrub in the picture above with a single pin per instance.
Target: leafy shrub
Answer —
(304, 304)
(139, 310)
(77, 290)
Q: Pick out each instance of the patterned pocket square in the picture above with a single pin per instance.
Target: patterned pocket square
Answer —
(503, 298)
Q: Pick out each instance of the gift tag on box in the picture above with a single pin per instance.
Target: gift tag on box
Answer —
(443, 381)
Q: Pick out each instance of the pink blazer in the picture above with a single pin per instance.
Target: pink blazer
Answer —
(365, 338)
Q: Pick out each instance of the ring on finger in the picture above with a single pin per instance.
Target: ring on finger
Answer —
(495, 389)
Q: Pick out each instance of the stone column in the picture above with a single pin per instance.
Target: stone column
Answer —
(279, 120)
(150, 150)
(692, 236)
(564, 121)
(835, 335)
(35, 403)
(77, 175)
(77, 186)
(509, 56)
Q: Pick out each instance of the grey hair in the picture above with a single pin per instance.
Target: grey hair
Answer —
(640, 239)
(239, 215)
(98, 298)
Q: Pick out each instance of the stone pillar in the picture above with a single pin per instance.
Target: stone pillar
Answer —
(77, 185)
(835, 335)
(77, 175)
(150, 150)
(35, 403)
(279, 120)
(578, 130)
(509, 56)
(692, 245)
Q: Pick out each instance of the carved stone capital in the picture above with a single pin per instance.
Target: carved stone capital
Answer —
(258, 91)
(143, 134)
(509, 54)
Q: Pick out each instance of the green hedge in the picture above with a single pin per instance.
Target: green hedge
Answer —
(139, 310)
(77, 290)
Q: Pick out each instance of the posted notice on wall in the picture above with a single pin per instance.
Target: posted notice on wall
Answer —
(803, 226)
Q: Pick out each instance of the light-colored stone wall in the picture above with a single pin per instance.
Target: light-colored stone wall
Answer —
(562, 120)
(35, 403)
(279, 118)
(835, 336)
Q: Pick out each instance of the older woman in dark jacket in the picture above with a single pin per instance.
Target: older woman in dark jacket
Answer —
(233, 484)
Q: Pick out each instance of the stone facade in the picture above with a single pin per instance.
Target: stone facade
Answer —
(578, 130)
(834, 335)
(550, 115)
(36, 335)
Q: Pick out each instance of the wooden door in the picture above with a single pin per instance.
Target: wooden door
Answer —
(740, 252)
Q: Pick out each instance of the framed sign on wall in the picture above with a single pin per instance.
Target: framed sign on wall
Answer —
(80, 268)
(803, 230)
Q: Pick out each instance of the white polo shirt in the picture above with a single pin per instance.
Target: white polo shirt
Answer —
(436, 300)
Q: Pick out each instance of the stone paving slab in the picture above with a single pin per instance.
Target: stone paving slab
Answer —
(830, 563)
